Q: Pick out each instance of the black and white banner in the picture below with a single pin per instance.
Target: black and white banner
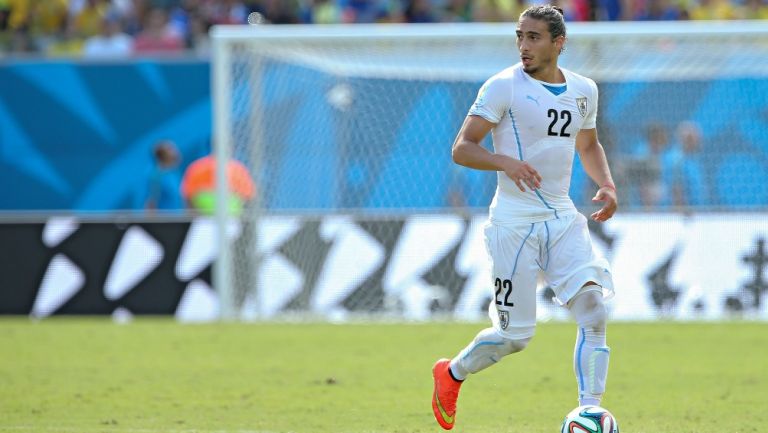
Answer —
(700, 267)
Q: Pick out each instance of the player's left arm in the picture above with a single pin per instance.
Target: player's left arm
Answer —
(595, 164)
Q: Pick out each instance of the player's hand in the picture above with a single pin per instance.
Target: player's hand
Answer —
(607, 196)
(523, 174)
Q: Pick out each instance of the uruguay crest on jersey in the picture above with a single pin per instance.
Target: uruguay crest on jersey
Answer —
(581, 103)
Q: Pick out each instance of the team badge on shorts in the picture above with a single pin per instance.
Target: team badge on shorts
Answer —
(582, 104)
(503, 319)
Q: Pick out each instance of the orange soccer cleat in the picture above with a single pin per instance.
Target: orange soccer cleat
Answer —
(445, 394)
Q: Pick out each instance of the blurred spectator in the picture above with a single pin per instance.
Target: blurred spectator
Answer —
(124, 7)
(420, 11)
(394, 11)
(713, 10)
(111, 42)
(164, 4)
(229, 12)
(133, 15)
(660, 10)
(457, 11)
(485, 11)
(321, 12)
(754, 10)
(157, 36)
(687, 175)
(456, 191)
(69, 44)
(198, 40)
(609, 10)
(648, 168)
(18, 14)
(165, 179)
(574, 10)
(5, 12)
(48, 16)
(497, 10)
(14, 24)
(88, 20)
(180, 16)
(365, 11)
(48, 19)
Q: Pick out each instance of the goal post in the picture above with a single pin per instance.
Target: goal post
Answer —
(346, 130)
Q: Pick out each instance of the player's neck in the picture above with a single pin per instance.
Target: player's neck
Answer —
(551, 75)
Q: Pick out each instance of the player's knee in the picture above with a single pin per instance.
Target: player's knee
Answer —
(589, 310)
(596, 311)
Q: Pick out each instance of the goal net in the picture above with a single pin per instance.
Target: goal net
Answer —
(347, 132)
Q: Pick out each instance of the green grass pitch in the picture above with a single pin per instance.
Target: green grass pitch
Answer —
(91, 375)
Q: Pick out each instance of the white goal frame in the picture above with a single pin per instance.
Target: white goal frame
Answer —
(587, 34)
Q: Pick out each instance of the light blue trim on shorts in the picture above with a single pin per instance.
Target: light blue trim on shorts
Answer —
(544, 268)
(514, 268)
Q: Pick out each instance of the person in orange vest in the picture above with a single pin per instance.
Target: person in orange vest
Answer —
(198, 187)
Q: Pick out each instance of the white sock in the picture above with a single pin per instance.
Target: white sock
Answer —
(591, 365)
(591, 354)
(456, 371)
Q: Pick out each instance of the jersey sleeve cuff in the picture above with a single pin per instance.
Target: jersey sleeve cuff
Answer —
(485, 114)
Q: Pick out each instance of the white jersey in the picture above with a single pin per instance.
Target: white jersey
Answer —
(536, 122)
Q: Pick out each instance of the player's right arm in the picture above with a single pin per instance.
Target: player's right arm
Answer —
(468, 151)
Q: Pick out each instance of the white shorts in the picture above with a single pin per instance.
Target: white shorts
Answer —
(561, 249)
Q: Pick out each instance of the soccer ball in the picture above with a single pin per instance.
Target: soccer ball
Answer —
(589, 419)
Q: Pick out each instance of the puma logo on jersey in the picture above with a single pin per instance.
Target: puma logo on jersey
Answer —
(536, 100)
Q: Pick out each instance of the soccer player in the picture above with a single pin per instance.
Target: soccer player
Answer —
(538, 114)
